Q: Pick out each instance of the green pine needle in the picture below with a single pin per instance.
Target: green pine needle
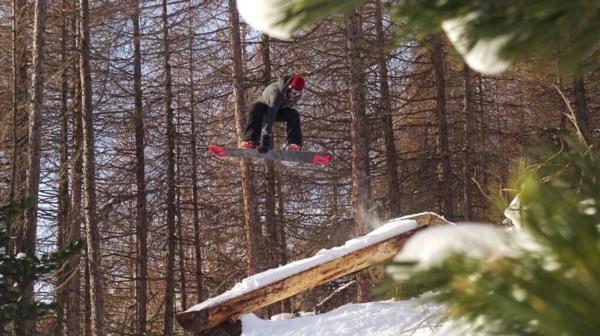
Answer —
(548, 31)
(551, 290)
(13, 305)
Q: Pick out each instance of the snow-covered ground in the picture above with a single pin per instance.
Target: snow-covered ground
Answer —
(393, 318)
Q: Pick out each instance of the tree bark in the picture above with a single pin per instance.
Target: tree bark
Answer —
(252, 226)
(286, 305)
(444, 174)
(63, 172)
(178, 182)
(270, 218)
(361, 194)
(34, 154)
(140, 177)
(266, 59)
(20, 120)
(582, 117)
(386, 118)
(467, 147)
(196, 212)
(87, 297)
(170, 155)
(14, 132)
(271, 248)
(35, 124)
(19, 104)
(74, 233)
(89, 177)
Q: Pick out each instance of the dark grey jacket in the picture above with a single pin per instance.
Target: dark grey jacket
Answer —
(275, 97)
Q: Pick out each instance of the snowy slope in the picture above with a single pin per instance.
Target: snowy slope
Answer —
(400, 318)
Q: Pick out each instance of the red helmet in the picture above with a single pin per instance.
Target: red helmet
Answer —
(297, 83)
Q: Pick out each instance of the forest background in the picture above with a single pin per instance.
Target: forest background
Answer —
(107, 109)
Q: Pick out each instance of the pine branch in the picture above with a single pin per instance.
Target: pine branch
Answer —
(545, 30)
(550, 287)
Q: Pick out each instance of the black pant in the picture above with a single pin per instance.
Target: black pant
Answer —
(289, 115)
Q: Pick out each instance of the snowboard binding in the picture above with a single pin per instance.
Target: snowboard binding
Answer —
(265, 143)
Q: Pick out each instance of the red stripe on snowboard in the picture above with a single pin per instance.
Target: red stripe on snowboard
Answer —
(218, 150)
(323, 160)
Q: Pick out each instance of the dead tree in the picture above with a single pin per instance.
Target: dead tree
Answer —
(28, 244)
(361, 194)
(140, 177)
(252, 226)
(439, 82)
(386, 118)
(96, 285)
(170, 155)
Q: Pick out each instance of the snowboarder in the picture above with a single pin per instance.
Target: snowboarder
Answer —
(276, 103)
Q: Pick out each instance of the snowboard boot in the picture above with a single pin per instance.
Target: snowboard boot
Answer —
(248, 144)
(293, 147)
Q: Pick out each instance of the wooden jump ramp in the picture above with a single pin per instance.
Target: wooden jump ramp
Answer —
(219, 315)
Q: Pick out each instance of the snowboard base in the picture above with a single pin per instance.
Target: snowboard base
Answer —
(320, 158)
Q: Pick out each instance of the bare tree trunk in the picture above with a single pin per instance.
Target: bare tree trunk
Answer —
(361, 194)
(140, 177)
(386, 111)
(437, 59)
(564, 111)
(467, 148)
(20, 113)
(34, 153)
(178, 182)
(170, 271)
(63, 173)
(141, 213)
(87, 296)
(271, 250)
(196, 216)
(73, 288)
(35, 125)
(286, 304)
(252, 226)
(271, 247)
(16, 82)
(581, 110)
(266, 59)
(19, 98)
(271, 219)
(89, 177)
(20, 116)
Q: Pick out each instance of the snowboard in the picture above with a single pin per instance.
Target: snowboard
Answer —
(320, 158)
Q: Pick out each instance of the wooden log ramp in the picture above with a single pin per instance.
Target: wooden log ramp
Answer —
(220, 315)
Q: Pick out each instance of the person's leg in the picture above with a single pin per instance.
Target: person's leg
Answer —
(292, 118)
(253, 130)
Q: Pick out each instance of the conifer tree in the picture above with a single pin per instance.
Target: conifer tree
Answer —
(489, 34)
(22, 267)
(548, 286)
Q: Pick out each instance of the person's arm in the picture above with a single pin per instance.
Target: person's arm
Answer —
(275, 101)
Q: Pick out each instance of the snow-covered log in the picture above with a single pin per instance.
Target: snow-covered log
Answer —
(271, 286)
